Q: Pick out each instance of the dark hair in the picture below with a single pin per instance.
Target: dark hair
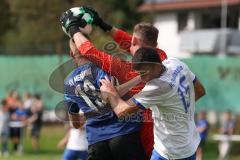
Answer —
(147, 33)
(37, 96)
(4, 102)
(145, 56)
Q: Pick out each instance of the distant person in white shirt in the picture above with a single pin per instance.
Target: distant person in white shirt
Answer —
(76, 144)
(4, 128)
(171, 91)
(27, 100)
(227, 128)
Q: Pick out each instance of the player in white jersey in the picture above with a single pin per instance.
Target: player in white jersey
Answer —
(171, 91)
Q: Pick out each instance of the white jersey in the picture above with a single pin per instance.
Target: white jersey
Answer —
(77, 140)
(172, 101)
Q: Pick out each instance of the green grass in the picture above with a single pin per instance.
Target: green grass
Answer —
(211, 151)
(52, 134)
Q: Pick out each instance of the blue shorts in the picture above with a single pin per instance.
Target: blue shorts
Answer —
(157, 156)
(74, 155)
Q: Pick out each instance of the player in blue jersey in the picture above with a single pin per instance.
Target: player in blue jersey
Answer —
(202, 127)
(108, 137)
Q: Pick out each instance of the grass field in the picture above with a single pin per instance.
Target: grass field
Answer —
(48, 142)
(52, 134)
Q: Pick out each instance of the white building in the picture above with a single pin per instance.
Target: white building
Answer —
(189, 27)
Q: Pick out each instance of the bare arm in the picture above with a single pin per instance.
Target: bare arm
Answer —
(119, 106)
(79, 39)
(32, 119)
(126, 87)
(63, 142)
(199, 90)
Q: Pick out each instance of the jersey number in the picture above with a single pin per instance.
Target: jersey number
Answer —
(184, 93)
(90, 95)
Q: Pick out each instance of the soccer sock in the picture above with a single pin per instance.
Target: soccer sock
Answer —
(15, 147)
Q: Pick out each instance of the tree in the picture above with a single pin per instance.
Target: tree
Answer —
(5, 17)
(37, 28)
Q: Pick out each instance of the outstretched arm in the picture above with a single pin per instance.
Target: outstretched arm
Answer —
(87, 49)
(110, 64)
(122, 38)
(126, 87)
(119, 36)
(63, 142)
(119, 106)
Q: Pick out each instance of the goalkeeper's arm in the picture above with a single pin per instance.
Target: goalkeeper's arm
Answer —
(108, 63)
(122, 38)
(119, 36)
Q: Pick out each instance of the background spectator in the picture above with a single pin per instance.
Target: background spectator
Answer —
(18, 116)
(15, 115)
(35, 119)
(4, 128)
(227, 128)
(202, 127)
(27, 100)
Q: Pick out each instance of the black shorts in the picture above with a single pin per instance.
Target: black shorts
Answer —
(15, 132)
(126, 147)
(35, 132)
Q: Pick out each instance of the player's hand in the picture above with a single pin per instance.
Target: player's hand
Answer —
(71, 23)
(107, 88)
(97, 20)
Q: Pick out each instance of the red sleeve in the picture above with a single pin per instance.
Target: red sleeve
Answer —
(123, 39)
(122, 70)
(110, 64)
(101, 59)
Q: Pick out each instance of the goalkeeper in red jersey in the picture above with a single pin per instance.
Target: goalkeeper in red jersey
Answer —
(144, 35)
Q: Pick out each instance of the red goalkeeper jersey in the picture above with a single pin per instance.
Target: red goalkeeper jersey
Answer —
(123, 71)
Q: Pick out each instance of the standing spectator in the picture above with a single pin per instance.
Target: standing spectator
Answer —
(227, 128)
(27, 100)
(13, 105)
(76, 144)
(4, 128)
(12, 98)
(35, 119)
(18, 117)
(202, 127)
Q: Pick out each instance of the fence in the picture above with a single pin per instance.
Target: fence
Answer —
(220, 76)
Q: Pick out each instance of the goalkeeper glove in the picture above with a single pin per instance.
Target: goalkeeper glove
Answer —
(97, 20)
(71, 23)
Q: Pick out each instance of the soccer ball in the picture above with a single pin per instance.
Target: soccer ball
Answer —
(77, 11)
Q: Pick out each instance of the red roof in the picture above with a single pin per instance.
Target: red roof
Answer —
(180, 5)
